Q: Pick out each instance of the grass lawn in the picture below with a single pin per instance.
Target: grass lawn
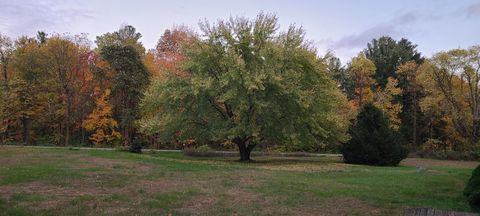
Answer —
(37, 181)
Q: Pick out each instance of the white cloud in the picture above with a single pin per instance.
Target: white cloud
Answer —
(29, 16)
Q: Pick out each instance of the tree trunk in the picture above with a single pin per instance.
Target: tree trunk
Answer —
(244, 149)
(26, 130)
(127, 139)
(82, 129)
(3, 138)
(414, 134)
(67, 117)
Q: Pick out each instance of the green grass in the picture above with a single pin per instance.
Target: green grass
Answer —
(96, 182)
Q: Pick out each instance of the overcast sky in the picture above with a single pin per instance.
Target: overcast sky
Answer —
(342, 26)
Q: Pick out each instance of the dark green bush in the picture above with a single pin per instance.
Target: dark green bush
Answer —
(472, 190)
(136, 146)
(372, 141)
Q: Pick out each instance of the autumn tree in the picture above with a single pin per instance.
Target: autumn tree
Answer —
(6, 54)
(248, 85)
(169, 50)
(408, 73)
(101, 123)
(24, 100)
(366, 90)
(384, 99)
(131, 79)
(63, 57)
(362, 70)
(452, 80)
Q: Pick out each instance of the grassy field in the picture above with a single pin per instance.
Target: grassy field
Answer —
(94, 182)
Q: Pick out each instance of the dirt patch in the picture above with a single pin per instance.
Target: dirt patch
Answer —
(48, 189)
(241, 197)
(439, 163)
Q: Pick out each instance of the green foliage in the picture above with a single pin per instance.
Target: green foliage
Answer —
(387, 54)
(127, 35)
(472, 190)
(340, 74)
(373, 142)
(250, 85)
(204, 148)
(130, 81)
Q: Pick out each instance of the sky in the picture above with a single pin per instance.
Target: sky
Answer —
(343, 26)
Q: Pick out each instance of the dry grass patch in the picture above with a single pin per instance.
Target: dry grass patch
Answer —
(439, 163)
(200, 204)
(339, 207)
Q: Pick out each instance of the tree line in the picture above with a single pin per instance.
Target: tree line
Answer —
(238, 82)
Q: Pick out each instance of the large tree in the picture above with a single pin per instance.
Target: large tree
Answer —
(407, 73)
(388, 54)
(63, 57)
(130, 80)
(25, 98)
(249, 85)
(452, 82)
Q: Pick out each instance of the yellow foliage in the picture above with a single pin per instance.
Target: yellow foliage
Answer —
(100, 122)
(384, 101)
(363, 70)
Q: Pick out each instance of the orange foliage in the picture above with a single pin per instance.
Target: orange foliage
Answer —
(169, 54)
(100, 122)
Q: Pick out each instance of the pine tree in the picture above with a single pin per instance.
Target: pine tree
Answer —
(472, 190)
(373, 141)
(128, 85)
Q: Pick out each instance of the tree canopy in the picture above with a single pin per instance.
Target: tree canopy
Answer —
(249, 85)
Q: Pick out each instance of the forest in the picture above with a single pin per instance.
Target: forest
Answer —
(237, 83)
